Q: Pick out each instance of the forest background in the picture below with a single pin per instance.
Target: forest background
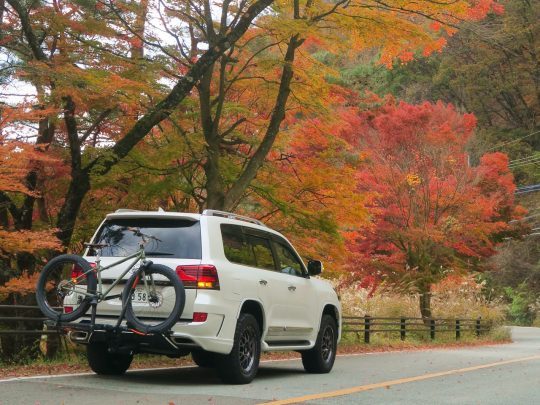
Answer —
(396, 141)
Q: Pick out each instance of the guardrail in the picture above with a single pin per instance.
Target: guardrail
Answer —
(22, 318)
(368, 325)
(361, 325)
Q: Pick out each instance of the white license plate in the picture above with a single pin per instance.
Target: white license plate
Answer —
(139, 296)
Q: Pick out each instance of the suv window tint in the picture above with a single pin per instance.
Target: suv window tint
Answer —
(287, 260)
(262, 251)
(235, 247)
(174, 238)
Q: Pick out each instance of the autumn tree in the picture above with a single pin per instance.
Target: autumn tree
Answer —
(431, 213)
(243, 100)
(105, 74)
(308, 188)
(263, 87)
(16, 159)
(489, 68)
(80, 61)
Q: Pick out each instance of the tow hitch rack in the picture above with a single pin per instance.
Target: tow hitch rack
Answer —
(120, 339)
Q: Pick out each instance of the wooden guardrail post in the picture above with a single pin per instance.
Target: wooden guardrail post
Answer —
(404, 325)
(367, 324)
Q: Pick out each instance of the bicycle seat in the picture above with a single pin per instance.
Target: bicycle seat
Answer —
(96, 245)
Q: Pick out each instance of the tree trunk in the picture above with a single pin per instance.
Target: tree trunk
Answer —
(80, 181)
(78, 187)
(278, 115)
(425, 304)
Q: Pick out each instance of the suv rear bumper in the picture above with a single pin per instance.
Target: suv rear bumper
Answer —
(184, 337)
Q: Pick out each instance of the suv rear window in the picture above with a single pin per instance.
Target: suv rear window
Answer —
(174, 238)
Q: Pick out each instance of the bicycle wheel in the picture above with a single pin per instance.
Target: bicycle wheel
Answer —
(62, 286)
(154, 306)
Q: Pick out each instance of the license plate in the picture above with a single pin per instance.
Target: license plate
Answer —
(139, 296)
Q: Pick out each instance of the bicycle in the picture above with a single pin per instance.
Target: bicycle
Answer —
(71, 281)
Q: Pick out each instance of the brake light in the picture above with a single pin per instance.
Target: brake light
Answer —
(77, 272)
(68, 310)
(204, 276)
(200, 316)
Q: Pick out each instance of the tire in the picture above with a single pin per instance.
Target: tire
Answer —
(241, 365)
(320, 359)
(204, 359)
(54, 284)
(104, 363)
(170, 300)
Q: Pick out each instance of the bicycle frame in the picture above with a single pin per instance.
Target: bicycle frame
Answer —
(100, 295)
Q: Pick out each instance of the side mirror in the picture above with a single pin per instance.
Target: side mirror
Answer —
(315, 267)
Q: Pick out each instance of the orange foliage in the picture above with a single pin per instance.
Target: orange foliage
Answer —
(23, 285)
(16, 159)
(311, 178)
(12, 242)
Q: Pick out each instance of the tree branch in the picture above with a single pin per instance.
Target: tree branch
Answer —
(183, 87)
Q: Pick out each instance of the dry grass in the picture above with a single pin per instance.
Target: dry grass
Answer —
(460, 298)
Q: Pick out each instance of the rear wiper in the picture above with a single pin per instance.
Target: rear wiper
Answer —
(155, 253)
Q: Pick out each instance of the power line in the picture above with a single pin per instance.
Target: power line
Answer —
(525, 162)
(513, 141)
(535, 155)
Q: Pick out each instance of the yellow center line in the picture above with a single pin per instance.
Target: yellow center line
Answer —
(386, 384)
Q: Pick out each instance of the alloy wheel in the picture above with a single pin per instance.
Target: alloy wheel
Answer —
(246, 348)
(327, 344)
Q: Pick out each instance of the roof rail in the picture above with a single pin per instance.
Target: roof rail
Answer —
(230, 215)
(126, 210)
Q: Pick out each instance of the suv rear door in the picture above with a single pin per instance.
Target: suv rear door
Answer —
(171, 241)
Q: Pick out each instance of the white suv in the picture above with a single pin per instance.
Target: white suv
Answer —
(247, 291)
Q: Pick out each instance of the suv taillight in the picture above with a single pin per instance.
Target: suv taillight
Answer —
(77, 272)
(204, 276)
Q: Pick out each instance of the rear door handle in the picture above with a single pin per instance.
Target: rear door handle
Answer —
(263, 282)
(292, 288)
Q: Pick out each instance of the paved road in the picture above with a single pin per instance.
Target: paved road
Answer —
(503, 374)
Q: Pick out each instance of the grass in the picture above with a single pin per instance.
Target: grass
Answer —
(74, 361)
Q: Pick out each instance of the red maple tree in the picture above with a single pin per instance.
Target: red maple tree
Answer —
(432, 213)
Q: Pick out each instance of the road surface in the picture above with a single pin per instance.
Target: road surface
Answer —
(501, 374)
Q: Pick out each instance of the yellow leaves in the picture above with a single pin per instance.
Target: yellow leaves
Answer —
(413, 180)
(396, 28)
(86, 86)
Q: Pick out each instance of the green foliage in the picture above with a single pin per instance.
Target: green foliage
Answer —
(521, 306)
